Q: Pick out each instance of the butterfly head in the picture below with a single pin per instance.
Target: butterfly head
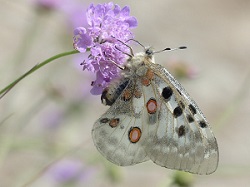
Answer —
(149, 52)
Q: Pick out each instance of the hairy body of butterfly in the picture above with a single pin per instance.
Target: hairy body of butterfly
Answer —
(152, 117)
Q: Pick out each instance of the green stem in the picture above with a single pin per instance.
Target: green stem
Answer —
(36, 67)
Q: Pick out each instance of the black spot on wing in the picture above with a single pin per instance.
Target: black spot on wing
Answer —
(190, 118)
(167, 92)
(177, 111)
(104, 120)
(181, 131)
(179, 91)
(192, 109)
(182, 104)
(203, 124)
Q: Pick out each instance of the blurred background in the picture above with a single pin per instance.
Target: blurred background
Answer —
(46, 119)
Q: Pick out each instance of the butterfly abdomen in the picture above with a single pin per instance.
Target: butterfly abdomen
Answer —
(111, 93)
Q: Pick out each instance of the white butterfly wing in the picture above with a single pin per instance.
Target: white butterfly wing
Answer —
(118, 133)
(181, 137)
(154, 118)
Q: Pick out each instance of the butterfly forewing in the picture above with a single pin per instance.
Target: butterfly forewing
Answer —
(154, 118)
(191, 144)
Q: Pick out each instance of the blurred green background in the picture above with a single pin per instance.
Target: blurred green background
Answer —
(46, 119)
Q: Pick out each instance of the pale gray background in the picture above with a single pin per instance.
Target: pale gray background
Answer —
(217, 34)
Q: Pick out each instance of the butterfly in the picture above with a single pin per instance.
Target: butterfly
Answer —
(152, 117)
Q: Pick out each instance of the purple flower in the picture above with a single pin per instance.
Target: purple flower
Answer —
(67, 170)
(82, 39)
(108, 24)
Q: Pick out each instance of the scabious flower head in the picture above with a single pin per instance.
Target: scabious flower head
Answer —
(108, 24)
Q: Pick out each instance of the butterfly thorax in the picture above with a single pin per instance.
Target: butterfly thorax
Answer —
(136, 67)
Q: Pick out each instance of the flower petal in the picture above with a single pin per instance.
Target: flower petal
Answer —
(108, 25)
(132, 22)
(81, 39)
(125, 11)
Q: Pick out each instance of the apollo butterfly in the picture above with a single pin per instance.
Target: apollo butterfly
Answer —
(152, 117)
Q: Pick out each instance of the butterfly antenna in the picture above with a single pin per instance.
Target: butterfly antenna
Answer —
(136, 41)
(170, 49)
(124, 43)
(130, 55)
(117, 65)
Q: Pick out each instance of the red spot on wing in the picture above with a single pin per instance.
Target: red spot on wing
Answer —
(151, 106)
(137, 93)
(127, 95)
(145, 81)
(134, 134)
(114, 122)
(150, 74)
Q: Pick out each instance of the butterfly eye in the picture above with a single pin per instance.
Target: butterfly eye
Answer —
(149, 52)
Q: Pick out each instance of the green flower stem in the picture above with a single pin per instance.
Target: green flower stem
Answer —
(36, 67)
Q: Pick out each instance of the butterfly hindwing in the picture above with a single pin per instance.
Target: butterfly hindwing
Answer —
(118, 133)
